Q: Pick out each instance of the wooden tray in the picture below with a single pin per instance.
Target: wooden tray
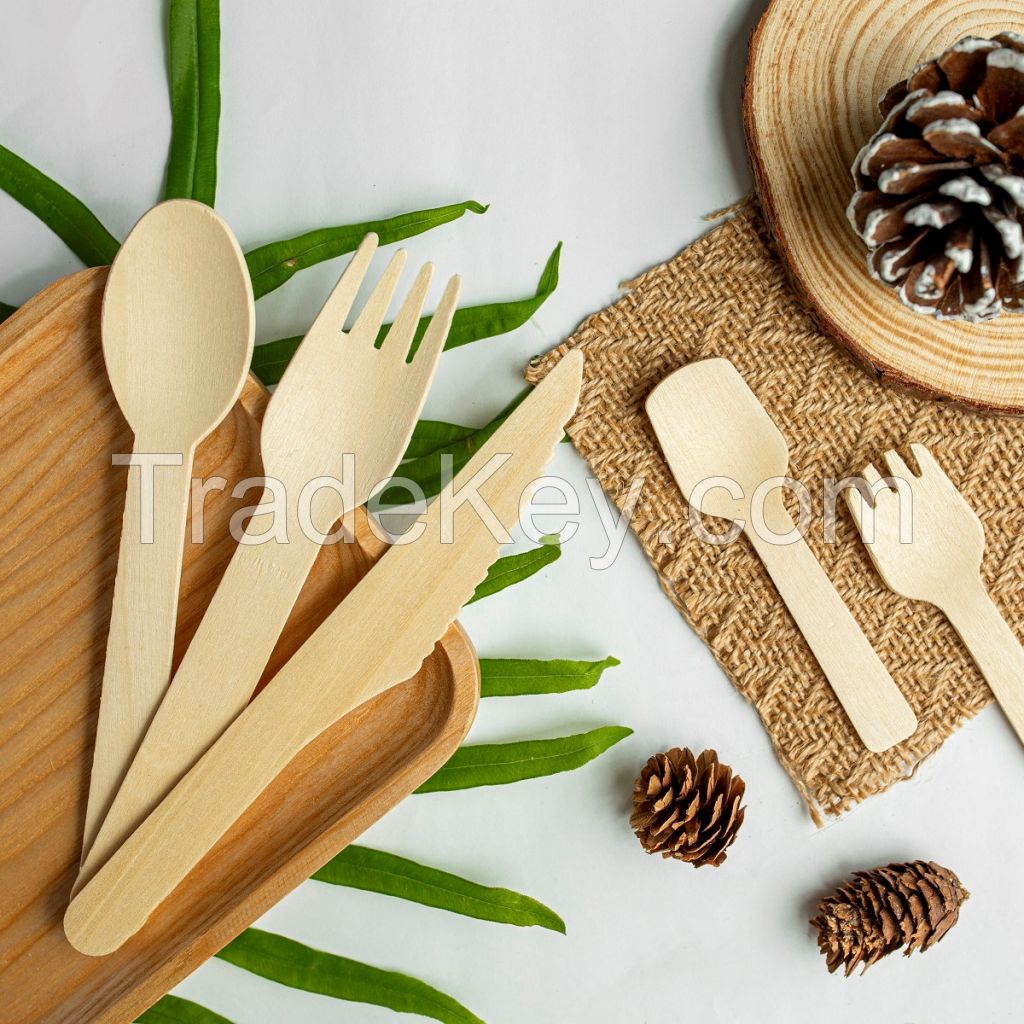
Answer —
(813, 81)
(60, 506)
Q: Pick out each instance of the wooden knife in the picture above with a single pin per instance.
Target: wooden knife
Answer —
(377, 637)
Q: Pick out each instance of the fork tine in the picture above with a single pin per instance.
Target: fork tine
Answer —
(873, 477)
(372, 314)
(339, 303)
(926, 462)
(404, 327)
(897, 467)
(436, 335)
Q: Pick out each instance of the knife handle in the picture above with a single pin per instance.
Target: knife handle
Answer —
(119, 898)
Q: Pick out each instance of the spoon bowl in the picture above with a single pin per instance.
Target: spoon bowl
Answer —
(178, 323)
(716, 430)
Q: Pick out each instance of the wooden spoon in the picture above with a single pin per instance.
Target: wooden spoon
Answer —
(722, 447)
(178, 324)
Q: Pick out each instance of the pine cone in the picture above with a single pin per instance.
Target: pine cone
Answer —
(940, 186)
(877, 912)
(687, 808)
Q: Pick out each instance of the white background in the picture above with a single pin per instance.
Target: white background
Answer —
(615, 127)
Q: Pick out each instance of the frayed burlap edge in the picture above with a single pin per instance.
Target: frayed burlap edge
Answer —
(727, 295)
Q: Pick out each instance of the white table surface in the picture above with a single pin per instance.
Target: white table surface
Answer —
(615, 127)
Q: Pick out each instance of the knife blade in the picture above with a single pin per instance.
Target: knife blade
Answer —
(405, 603)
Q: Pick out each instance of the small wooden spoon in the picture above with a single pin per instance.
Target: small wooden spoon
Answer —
(716, 435)
(178, 326)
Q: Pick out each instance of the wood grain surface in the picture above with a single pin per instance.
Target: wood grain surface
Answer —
(811, 102)
(61, 511)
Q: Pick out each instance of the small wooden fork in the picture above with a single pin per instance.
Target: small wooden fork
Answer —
(340, 396)
(927, 543)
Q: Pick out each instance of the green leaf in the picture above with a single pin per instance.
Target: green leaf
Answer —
(193, 44)
(431, 436)
(470, 324)
(175, 1010)
(312, 970)
(272, 264)
(495, 764)
(515, 677)
(515, 568)
(430, 471)
(476, 322)
(68, 217)
(6, 311)
(375, 871)
(271, 359)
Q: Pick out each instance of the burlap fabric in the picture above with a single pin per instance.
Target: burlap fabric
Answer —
(727, 295)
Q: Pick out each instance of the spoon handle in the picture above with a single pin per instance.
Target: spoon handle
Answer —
(877, 709)
(140, 642)
(204, 698)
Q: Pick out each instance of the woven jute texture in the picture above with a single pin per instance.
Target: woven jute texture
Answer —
(727, 295)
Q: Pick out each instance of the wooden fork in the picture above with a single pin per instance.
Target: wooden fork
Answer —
(929, 548)
(340, 396)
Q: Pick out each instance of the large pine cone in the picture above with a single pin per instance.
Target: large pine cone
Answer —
(687, 808)
(877, 912)
(940, 186)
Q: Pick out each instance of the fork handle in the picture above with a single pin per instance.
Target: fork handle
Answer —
(878, 711)
(993, 646)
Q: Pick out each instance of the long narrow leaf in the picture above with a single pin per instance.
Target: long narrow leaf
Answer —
(193, 44)
(496, 764)
(514, 569)
(359, 867)
(272, 264)
(67, 217)
(431, 436)
(6, 311)
(515, 677)
(271, 359)
(175, 1010)
(470, 324)
(312, 970)
(488, 321)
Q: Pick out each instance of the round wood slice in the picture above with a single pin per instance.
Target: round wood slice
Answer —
(814, 77)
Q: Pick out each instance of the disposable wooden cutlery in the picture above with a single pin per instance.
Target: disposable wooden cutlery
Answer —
(377, 637)
(178, 326)
(341, 399)
(720, 442)
(929, 548)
